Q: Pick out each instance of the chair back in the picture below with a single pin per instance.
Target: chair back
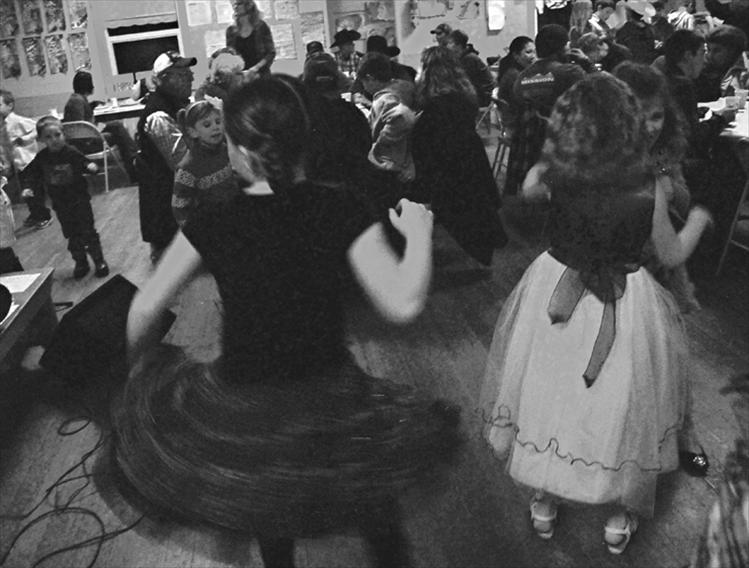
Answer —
(85, 136)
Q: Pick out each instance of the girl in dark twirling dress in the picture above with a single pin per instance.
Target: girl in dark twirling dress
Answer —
(284, 436)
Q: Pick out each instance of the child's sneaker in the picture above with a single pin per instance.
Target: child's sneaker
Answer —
(101, 269)
(43, 223)
(81, 269)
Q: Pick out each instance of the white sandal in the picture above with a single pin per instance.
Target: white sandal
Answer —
(536, 518)
(629, 529)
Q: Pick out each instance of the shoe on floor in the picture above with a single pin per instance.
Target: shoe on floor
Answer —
(102, 269)
(543, 523)
(81, 269)
(617, 539)
(43, 223)
(694, 464)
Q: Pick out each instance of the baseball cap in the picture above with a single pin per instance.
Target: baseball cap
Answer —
(321, 72)
(314, 47)
(171, 59)
(442, 29)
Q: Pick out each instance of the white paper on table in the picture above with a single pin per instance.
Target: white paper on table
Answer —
(18, 283)
(13, 308)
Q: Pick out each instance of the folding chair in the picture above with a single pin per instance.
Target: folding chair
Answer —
(504, 141)
(87, 138)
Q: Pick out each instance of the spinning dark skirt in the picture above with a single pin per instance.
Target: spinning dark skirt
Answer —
(297, 458)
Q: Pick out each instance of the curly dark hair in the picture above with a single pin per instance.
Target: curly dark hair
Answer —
(442, 73)
(649, 83)
(595, 137)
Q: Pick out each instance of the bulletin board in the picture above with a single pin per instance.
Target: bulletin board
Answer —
(42, 39)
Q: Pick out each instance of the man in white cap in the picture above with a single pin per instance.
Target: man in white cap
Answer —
(161, 147)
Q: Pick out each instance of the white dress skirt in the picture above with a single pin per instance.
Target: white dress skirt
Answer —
(600, 445)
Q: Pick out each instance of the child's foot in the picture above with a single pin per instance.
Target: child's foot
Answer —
(81, 269)
(619, 530)
(101, 269)
(543, 516)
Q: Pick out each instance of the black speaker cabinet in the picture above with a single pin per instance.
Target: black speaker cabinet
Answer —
(90, 339)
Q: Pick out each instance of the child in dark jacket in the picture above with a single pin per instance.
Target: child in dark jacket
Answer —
(58, 170)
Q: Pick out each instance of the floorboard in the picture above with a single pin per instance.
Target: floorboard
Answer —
(477, 518)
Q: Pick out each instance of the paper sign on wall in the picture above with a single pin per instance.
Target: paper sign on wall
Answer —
(214, 40)
(283, 37)
(224, 12)
(313, 27)
(198, 13)
(495, 12)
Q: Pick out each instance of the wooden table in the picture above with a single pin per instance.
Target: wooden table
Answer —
(35, 312)
(125, 109)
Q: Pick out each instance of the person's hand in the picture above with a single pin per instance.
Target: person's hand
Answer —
(250, 74)
(412, 220)
(703, 214)
(27, 193)
(92, 168)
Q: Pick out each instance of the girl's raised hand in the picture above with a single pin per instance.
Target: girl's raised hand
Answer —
(411, 219)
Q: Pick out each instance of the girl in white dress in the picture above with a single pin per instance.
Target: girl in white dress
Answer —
(584, 392)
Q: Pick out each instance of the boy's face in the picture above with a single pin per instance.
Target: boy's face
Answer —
(53, 138)
(5, 108)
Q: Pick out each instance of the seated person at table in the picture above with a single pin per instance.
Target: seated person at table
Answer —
(477, 71)
(78, 108)
(685, 58)
(534, 94)
(17, 148)
(8, 260)
(391, 118)
(724, 64)
(341, 133)
(713, 175)
(224, 74)
(57, 170)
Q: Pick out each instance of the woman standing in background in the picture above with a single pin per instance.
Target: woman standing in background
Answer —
(251, 37)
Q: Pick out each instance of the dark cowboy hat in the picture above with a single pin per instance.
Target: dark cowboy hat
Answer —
(345, 36)
(379, 44)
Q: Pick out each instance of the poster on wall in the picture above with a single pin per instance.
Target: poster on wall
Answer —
(349, 22)
(32, 47)
(468, 10)
(31, 17)
(266, 8)
(383, 11)
(312, 27)
(78, 14)
(224, 12)
(198, 12)
(214, 40)
(78, 44)
(58, 59)
(283, 37)
(54, 13)
(8, 19)
(286, 9)
(495, 13)
(10, 64)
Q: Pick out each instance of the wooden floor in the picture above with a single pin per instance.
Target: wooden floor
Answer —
(479, 520)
